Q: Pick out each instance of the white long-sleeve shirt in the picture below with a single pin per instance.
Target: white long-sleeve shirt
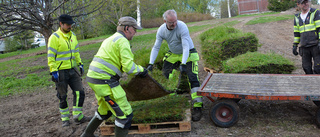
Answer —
(178, 39)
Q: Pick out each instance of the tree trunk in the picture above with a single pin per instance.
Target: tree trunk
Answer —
(46, 34)
(229, 13)
(138, 14)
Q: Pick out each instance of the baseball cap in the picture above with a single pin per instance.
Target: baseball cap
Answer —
(64, 18)
(300, 1)
(128, 21)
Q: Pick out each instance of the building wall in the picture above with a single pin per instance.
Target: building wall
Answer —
(252, 6)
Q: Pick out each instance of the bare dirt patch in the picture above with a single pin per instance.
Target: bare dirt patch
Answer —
(37, 114)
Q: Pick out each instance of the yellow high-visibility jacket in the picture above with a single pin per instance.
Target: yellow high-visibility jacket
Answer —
(63, 51)
(112, 59)
(307, 33)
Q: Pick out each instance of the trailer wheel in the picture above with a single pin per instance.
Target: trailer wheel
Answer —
(236, 100)
(318, 117)
(317, 103)
(224, 113)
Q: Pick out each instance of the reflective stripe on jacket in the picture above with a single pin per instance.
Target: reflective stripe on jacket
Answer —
(307, 33)
(113, 58)
(63, 51)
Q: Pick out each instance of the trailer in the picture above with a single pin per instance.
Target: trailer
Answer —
(226, 90)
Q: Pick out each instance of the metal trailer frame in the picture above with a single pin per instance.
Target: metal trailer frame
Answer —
(229, 89)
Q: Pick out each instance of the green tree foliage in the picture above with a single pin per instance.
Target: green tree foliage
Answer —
(93, 17)
(151, 9)
(282, 5)
(10, 41)
(200, 6)
(41, 16)
(106, 19)
(20, 41)
(155, 8)
(314, 1)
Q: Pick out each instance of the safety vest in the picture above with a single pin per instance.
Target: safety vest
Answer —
(306, 33)
(63, 51)
(112, 59)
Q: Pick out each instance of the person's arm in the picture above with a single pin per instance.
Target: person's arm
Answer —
(76, 52)
(156, 47)
(185, 43)
(296, 32)
(127, 57)
(52, 52)
(317, 22)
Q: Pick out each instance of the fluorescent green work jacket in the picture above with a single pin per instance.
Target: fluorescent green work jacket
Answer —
(112, 59)
(63, 51)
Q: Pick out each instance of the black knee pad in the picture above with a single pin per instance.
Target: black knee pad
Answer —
(104, 117)
(63, 101)
(124, 123)
(114, 106)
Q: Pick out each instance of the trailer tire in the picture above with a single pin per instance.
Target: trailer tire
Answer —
(318, 117)
(317, 103)
(224, 113)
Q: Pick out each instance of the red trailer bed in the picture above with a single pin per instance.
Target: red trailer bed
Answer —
(231, 88)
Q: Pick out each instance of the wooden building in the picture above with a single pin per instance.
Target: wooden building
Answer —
(252, 6)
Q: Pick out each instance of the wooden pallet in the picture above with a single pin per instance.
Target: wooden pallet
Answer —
(209, 70)
(148, 128)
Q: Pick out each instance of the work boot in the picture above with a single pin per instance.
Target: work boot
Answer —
(120, 132)
(196, 114)
(65, 123)
(83, 120)
(91, 127)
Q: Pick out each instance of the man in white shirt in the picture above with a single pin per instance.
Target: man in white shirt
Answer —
(181, 54)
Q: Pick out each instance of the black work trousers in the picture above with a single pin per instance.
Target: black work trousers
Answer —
(72, 78)
(192, 75)
(308, 55)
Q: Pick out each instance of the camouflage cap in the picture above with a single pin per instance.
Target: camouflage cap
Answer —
(128, 21)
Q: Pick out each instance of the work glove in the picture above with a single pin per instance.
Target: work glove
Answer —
(150, 67)
(143, 74)
(294, 49)
(183, 68)
(81, 69)
(55, 75)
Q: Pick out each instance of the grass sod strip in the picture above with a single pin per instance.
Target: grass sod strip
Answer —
(168, 84)
(222, 42)
(255, 62)
(164, 109)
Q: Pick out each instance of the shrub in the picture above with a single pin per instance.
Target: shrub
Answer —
(282, 5)
(255, 62)
(222, 43)
(12, 45)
